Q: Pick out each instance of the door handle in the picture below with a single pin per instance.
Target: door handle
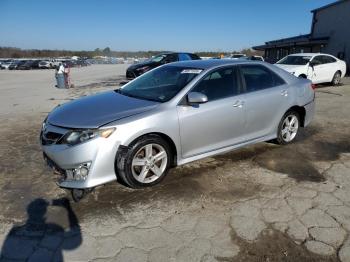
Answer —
(284, 93)
(238, 103)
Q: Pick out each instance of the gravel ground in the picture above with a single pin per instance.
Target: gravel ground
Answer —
(260, 203)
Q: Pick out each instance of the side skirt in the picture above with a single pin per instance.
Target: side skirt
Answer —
(224, 150)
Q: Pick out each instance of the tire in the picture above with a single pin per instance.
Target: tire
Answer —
(287, 135)
(336, 79)
(137, 167)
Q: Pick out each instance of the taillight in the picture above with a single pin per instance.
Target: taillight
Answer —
(313, 86)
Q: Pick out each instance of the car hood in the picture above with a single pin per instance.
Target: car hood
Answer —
(290, 68)
(97, 110)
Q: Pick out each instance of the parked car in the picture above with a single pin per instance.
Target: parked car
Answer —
(172, 115)
(69, 63)
(55, 63)
(46, 64)
(6, 64)
(254, 58)
(30, 64)
(319, 68)
(15, 64)
(140, 68)
(81, 63)
(237, 56)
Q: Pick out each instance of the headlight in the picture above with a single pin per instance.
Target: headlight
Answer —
(43, 125)
(75, 137)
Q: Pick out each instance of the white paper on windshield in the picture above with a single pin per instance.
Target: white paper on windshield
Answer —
(191, 71)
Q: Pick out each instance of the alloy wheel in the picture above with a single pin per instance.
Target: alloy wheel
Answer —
(149, 163)
(336, 79)
(290, 128)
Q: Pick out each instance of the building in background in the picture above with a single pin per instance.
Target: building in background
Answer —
(330, 33)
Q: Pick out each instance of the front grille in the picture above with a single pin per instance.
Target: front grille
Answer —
(49, 138)
(51, 134)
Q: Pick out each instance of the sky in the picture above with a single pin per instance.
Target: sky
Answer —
(173, 25)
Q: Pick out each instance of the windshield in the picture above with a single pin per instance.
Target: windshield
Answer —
(161, 84)
(157, 58)
(294, 60)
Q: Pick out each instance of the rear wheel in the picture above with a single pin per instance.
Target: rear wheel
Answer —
(336, 79)
(288, 127)
(146, 163)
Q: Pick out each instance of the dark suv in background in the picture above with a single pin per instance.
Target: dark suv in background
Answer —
(29, 64)
(158, 60)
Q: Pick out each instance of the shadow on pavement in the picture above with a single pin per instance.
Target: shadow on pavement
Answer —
(39, 240)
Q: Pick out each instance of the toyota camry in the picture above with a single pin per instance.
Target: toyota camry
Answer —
(172, 115)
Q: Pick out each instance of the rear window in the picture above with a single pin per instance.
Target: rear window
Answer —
(194, 57)
(328, 59)
(184, 57)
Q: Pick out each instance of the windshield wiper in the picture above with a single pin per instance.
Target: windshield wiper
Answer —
(137, 97)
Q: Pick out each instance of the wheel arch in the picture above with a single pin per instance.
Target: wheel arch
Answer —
(339, 70)
(164, 136)
(301, 111)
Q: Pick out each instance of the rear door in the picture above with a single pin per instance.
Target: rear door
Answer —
(266, 99)
(217, 123)
(330, 65)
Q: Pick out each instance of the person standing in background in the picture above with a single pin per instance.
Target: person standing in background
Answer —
(61, 76)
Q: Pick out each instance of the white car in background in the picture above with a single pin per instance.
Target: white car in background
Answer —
(45, 64)
(6, 64)
(319, 68)
(237, 56)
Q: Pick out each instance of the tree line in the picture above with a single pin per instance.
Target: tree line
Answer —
(13, 52)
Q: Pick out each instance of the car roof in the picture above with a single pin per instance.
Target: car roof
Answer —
(211, 63)
(171, 53)
(309, 54)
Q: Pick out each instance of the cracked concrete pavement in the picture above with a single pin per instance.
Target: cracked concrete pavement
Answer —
(260, 203)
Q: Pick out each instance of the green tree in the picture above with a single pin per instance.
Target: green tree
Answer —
(107, 51)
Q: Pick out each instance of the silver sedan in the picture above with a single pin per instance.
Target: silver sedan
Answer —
(172, 115)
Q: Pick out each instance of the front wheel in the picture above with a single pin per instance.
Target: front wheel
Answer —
(146, 163)
(288, 128)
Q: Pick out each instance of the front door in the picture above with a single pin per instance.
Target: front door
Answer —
(319, 70)
(217, 123)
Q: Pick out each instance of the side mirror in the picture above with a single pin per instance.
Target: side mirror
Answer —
(196, 98)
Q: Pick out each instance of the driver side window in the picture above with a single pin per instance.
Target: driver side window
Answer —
(170, 58)
(219, 84)
(317, 61)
